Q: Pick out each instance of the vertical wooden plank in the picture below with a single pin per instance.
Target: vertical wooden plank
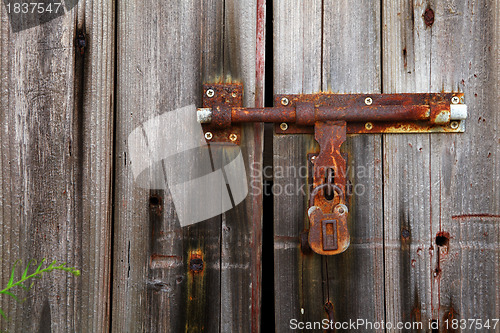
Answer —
(297, 69)
(159, 69)
(339, 56)
(465, 174)
(441, 191)
(204, 276)
(56, 161)
(407, 199)
(351, 64)
(241, 240)
(241, 227)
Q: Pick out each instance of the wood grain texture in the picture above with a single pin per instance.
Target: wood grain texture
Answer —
(318, 48)
(56, 162)
(297, 69)
(441, 192)
(241, 236)
(351, 64)
(165, 52)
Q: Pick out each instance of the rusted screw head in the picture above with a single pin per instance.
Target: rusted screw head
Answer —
(209, 136)
(341, 209)
(210, 93)
(405, 233)
(368, 101)
(368, 126)
(196, 264)
(233, 137)
(284, 101)
(454, 124)
(234, 94)
(455, 100)
(284, 126)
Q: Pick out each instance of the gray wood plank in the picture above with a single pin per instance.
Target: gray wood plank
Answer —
(297, 69)
(351, 64)
(241, 235)
(56, 162)
(159, 70)
(443, 189)
(407, 198)
(165, 53)
(310, 59)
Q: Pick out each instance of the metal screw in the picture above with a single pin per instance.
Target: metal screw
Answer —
(455, 100)
(196, 265)
(234, 94)
(405, 233)
(284, 101)
(233, 137)
(368, 126)
(284, 126)
(341, 209)
(210, 93)
(368, 101)
(454, 124)
(209, 136)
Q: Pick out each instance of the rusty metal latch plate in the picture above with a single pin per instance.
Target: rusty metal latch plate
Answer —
(352, 101)
(217, 95)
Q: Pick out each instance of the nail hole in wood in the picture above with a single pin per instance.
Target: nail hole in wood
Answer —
(154, 200)
(443, 239)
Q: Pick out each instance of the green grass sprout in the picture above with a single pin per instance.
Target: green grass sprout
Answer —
(25, 277)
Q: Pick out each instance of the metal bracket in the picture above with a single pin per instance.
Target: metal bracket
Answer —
(447, 109)
(330, 117)
(216, 99)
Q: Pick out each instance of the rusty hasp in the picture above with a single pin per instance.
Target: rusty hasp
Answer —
(330, 117)
(218, 100)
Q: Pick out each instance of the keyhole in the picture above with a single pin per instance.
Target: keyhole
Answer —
(329, 179)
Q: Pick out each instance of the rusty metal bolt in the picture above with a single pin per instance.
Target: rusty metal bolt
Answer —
(233, 137)
(209, 136)
(284, 126)
(210, 93)
(196, 265)
(455, 100)
(454, 124)
(368, 101)
(341, 209)
(234, 94)
(284, 101)
(204, 115)
(405, 233)
(369, 126)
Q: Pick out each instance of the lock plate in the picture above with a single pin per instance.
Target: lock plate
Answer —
(227, 95)
(328, 233)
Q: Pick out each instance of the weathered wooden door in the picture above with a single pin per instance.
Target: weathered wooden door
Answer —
(424, 217)
(425, 209)
(204, 277)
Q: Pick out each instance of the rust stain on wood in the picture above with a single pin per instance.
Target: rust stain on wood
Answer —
(196, 294)
(472, 216)
(196, 263)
